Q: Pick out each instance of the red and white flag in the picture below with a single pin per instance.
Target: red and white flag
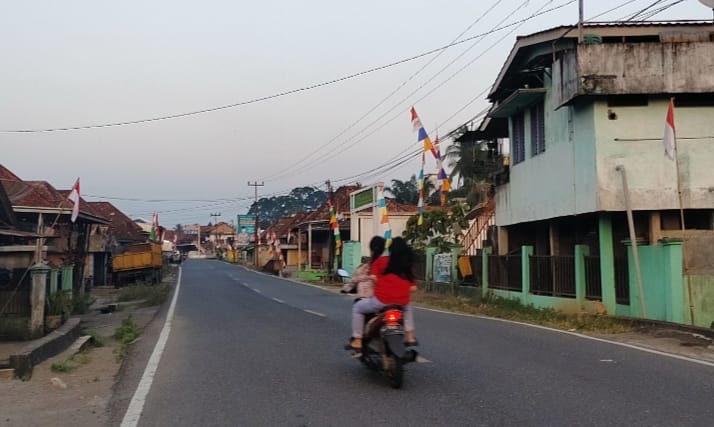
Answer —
(669, 139)
(74, 197)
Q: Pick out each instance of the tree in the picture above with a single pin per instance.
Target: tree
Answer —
(300, 199)
(404, 192)
(471, 162)
(178, 228)
(441, 228)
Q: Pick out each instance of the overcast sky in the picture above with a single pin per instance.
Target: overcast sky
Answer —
(76, 63)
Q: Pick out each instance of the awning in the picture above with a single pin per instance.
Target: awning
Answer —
(517, 101)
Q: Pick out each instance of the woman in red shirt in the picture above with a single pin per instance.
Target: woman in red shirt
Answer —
(393, 287)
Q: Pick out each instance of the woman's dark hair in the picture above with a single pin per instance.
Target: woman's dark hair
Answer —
(401, 259)
(376, 247)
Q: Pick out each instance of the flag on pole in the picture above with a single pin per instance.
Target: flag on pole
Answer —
(74, 197)
(670, 141)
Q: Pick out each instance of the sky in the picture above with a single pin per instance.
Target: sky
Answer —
(84, 63)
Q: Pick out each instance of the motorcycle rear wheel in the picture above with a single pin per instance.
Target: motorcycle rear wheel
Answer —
(396, 373)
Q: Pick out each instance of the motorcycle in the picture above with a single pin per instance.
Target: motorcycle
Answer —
(383, 344)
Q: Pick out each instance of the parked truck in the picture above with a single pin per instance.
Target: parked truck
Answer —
(140, 261)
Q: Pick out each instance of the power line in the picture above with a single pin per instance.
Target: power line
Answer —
(259, 99)
(382, 101)
(331, 155)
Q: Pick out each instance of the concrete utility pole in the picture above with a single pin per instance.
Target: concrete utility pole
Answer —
(255, 186)
(580, 21)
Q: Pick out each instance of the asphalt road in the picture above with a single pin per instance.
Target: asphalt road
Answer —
(247, 349)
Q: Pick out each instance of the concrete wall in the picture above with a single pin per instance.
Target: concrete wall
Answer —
(561, 181)
(700, 293)
(362, 228)
(651, 176)
(650, 68)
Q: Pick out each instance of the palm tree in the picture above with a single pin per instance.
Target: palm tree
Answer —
(404, 192)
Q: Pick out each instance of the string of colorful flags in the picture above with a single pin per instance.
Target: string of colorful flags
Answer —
(383, 215)
(433, 148)
(335, 227)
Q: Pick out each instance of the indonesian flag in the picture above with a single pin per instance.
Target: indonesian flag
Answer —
(669, 134)
(74, 197)
(154, 235)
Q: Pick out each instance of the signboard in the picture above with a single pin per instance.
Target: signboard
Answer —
(363, 198)
(442, 268)
(245, 230)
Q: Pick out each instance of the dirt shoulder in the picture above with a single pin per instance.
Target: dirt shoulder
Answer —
(79, 396)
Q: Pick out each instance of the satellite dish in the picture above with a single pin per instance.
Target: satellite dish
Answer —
(707, 3)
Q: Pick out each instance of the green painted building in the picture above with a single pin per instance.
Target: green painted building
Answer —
(584, 120)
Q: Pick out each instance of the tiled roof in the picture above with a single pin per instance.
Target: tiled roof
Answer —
(120, 225)
(6, 174)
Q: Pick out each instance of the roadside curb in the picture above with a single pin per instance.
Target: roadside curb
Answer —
(42, 349)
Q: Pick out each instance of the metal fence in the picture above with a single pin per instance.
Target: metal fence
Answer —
(552, 275)
(504, 272)
(593, 281)
(622, 281)
(14, 304)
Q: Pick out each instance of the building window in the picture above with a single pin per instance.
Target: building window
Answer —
(537, 129)
(519, 144)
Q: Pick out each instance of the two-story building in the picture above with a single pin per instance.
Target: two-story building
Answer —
(585, 121)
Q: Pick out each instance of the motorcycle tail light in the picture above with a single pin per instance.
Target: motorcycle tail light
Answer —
(392, 317)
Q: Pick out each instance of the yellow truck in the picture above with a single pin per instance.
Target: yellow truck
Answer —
(140, 261)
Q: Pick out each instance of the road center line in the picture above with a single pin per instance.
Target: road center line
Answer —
(136, 406)
(279, 301)
(315, 313)
(258, 291)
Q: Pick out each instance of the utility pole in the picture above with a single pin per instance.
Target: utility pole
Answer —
(255, 186)
(580, 21)
(213, 215)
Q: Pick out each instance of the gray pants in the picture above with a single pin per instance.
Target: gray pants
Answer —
(373, 305)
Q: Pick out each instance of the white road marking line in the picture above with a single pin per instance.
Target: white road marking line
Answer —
(136, 406)
(315, 313)
(257, 291)
(587, 337)
(279, 301)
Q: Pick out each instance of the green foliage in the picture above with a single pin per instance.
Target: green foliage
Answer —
(300, 199)
(59, 303)
(81, 303)
(97, 339)
(127, 332)
(441, 228)
(12, 329)
(70, 364)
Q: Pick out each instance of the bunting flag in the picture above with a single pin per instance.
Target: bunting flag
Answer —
(420, 203)
(444, 183)
(74, 197)
(270, 240)
(335, 226)
(669, 140)
(276, 244)
(383, 215)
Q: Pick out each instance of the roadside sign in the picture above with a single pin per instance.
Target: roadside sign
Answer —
(363, 198)
(245, 229)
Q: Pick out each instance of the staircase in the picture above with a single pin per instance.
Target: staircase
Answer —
(478, 231)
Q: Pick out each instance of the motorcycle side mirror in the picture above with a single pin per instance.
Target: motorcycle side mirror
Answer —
(343, 273)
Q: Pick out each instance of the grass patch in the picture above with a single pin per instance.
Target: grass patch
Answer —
(127, 333)
(70, 364)
(97, 340)
(511, 309)
(150, 294)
